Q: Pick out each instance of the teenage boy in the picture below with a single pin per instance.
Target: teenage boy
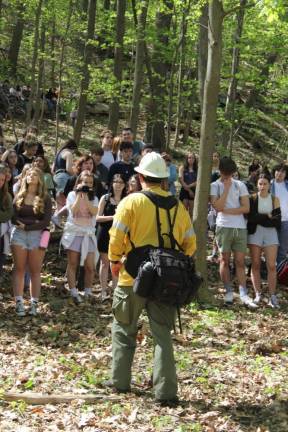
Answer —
(125, 165)
(279, 188)
(230, 199)
(101, 172)
(127, 135)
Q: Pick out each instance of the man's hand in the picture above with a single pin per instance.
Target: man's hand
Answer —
(115, 268)
(227, 182)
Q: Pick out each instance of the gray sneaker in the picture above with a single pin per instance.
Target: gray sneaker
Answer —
(229, 296)
(273, 302)
(20, 310)
(33, 309)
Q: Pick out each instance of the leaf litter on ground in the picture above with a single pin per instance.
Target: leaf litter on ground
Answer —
(232, 365)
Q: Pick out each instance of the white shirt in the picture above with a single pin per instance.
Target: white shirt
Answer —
(265, 205)
(237, 190)
(282, 193)
(107, 158)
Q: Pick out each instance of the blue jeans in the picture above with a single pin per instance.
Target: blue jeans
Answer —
(283, 242)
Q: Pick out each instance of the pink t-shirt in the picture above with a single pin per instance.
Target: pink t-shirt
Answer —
(82, 217)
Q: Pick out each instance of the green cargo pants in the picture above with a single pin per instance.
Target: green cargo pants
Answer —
(127, 308)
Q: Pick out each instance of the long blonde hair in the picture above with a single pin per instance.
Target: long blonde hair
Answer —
(40, 196)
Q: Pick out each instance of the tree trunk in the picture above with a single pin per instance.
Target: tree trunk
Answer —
(231, 94)
(118, 66)
(86, 75)
(16, 40)
(207, 140)
(40, 89)
(139, 66)
(34, 60)
(190, 101)
(202, 51)
(179, 110)
(62, 54)
(52, 50)
(157, 108)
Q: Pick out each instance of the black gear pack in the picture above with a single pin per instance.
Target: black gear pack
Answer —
(164, 275)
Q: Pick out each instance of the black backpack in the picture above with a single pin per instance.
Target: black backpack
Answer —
(165, 275)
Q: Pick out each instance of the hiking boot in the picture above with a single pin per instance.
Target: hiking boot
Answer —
(33, 309)
(110, 385)
(170, 403)
(20, 310)
(247, 301)
(273, 302)
(229, 297)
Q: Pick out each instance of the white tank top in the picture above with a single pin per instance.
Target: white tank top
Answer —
(265, 205)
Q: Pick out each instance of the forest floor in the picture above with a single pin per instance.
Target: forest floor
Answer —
(232, 363)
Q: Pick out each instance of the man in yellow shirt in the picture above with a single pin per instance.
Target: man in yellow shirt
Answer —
(136, 215)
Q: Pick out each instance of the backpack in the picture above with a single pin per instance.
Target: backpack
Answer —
(164, 275)
(282, 272)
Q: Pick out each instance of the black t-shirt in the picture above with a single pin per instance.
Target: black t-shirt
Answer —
(19, 148)
(127, 170)
(23, 160)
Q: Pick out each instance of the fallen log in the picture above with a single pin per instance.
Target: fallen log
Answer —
(32, 398)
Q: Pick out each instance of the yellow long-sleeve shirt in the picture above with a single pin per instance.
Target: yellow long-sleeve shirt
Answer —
(136, 214)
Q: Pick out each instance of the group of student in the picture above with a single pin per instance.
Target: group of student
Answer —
(87, 191)
(251, 214)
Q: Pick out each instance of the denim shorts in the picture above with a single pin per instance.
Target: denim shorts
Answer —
(264, 237)
(60, 180)
(26, 239)
(77, 243)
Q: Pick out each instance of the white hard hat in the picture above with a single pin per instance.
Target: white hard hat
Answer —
(153, 165)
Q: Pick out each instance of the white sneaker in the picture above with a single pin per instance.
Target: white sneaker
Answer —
(257, 298)
(20, 310)
(229, 297)
(33, 309)
(247, 301)
(273, 302)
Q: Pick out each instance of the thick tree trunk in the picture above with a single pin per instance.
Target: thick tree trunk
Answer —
(139, 66)
(52, 50)
(118, 66)
(232, 89)
(61, 62)
(202, 51)
(34, 61)
(86, 75)
(40, 89)
(158, 111)
(207, 140)
(181, 71)
(16, 40)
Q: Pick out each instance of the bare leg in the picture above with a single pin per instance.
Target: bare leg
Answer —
(89, 267)
(73, 262)
(20, 260)
(255, 253)
(270, 253)
(224, 267)
(35, 261)
(239, 258)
